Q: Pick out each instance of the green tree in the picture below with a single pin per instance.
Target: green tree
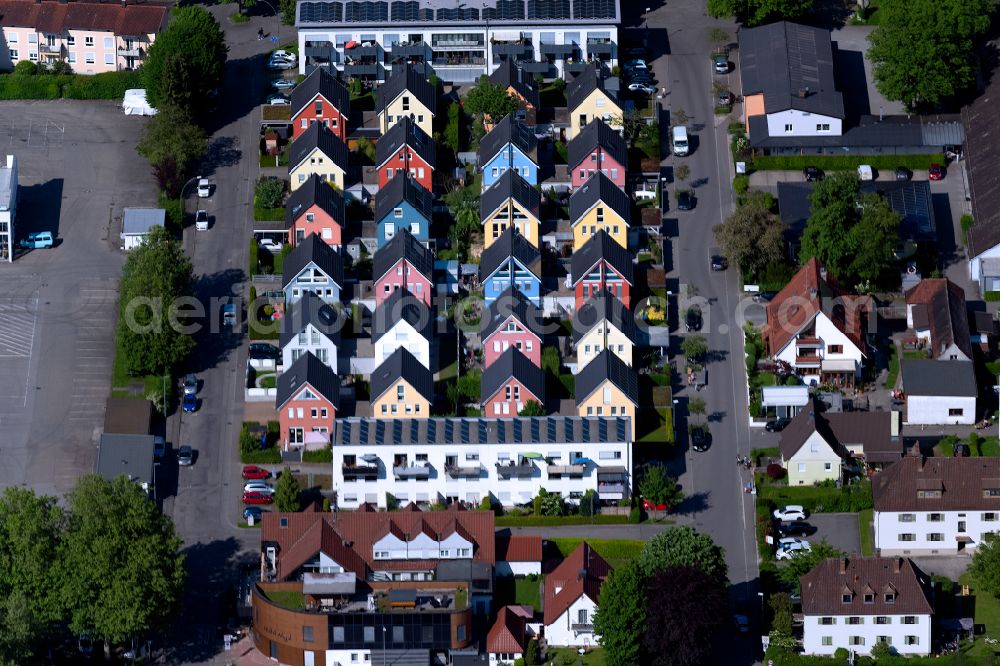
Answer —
(683, 547)
(26, 68)
(659, 488)
(287, 494)
(590, 503)
(118, 555)
(751, 235)
(682, 172)
(490, 100)
(156, 274)
(805, 562)
(287, 11)
(173, 145)
(185, 65)
(453, 129)
(686, 609)
(269, 192)
(874, 237)
(696, 406)
(881, 650)
(758, 12)
(923, 51)
(531, 653)
(694, 347)
(532, 408)
(780, 605)
(986, 563)
(463, 203)
(621, 616)
(549, 504)
(366, 147)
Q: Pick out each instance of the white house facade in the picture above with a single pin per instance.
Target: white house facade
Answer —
(403, 334)
(310, 339)
(940, 392)
(826, 349)
(314, 279)
(575, 627)
(439, 460)
(792, 122)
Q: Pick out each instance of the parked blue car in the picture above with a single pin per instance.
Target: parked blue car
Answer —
(190, 403)
(37, 239)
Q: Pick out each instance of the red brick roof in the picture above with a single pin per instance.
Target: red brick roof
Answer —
(519, 549)
(810, 292)
(825, 587)
(507, 633)
(913, 483)
(348, 537)
(943, 305)
(581, 573)
(58, 17)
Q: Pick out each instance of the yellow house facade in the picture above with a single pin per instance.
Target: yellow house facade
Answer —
(600, 217)
(607, 400)
(603, 336)
(407, 104)
(815, 461)
(401, 401)
(511, 214)
(320, 164)
(598, 104)
(606, 386)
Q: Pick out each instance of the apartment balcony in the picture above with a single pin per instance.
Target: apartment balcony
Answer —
(576, 66)
(512, 470)
(417, 50)
(459, 62)
(808, 361)
(321, 51)
(466, 472)
(422, 68)
(513, 49)
(359, 469)
(411, 471)
(600, 48)
(806, 341)
(567, 470)
(361, 52)
(558, 50)
(54, 49)
(533, 67)
(582, 628)
(134, 52)
(372, 70)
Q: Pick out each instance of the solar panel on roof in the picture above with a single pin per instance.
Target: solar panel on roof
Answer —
(321, 12)
(465, 432)
(482, 430)
(449, 431)
(551, 429)
(363, 436)
(517, 430)
(405, 10)
(502, 431)
(593, 9)
(620, 429)
(380, 432)
(414, 430)
(431, 430)
(548, 9)
(585, 427)
(602, 429)
(345, 432)
(366, 11)
(397, 431)
(536, 427)
(567, 430)
(506, 10)
(458, 14)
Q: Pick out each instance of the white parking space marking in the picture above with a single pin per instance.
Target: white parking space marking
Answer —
(94, 352)
(17, 339)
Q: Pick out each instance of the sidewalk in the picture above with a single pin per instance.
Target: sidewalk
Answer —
(770, 179)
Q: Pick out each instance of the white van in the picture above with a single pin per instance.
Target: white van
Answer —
(680, 140)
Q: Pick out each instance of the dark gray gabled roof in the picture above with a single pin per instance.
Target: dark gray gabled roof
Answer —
(510, 186)
(401, 364)
(513, 364)
(586, 82)
(310, 309)
(594, 135)
(792, 65)
(924, 377)
(606, 366)
(512, 303)
(510, 244)
(405, 133)
(321, 82)
(603, 307)
(406, 79)
(403, 187)
(599, 188)
(318, 137)
(313, 249)
(130, 456)
(401, 304)
(602, 246)
(315, 192)
(403, 245)
(308, 370)
(982, 151)
(509, 75)
(508, 131)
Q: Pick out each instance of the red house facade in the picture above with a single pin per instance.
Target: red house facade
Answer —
(602, 265)
(404, 263)
(406, 147)
(315, 208)
(320, 98)
(597, 148)
(307, 402)
(512, 321)
(511, 383)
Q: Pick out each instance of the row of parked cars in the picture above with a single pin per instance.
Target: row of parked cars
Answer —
(791, 528)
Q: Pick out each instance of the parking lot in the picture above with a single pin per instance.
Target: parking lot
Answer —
(839, 529)
(77, 168)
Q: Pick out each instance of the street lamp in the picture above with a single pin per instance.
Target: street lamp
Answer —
(581, 652)
(183, 201)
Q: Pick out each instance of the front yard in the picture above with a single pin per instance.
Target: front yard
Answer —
(618, 552)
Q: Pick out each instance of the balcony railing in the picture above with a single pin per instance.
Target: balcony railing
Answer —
(808, 361)
(512, 470)
(533, 67)
(362, 52)
(512, 48)
(363, 69)
(422, 49)
(458, 62)
(566, 469)
(806, 341)
(559, 50)
(576, 66)
(54, 49)
(411, 471)
(456, 471)
(134, 52)
(610, 489)
(359, 469)
(582, 628)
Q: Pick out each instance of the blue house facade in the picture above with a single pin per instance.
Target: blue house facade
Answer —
(403, 204)
(511, 261)
(508, 146)
(509, 157)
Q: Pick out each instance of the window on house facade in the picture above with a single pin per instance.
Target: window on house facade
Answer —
(789, 127)
(907, 537)
(956, 411)
(88, 41)
(911, 640)
(935, 536)
(856, 640)
(910, 619)
(835, 349)
(823, 127)
(935, 517)
(883, 619)
(827, 640)
(907, 517)
(828, 620)
(989, 517)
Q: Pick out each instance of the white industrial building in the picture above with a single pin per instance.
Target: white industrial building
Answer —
(856, 603)
(466, 459)
(8, 207)
(460, 41)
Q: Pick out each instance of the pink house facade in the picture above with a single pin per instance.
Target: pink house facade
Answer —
(512, 333)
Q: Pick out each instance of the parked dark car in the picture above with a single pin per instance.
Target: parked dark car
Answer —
(719, 263)
(812, 173)
(961, 450)
(777, 425)
(701, 439)
(261, 351)
(185, 456)
(685, 200)
(903, 174)
(692, 319)
(936, 172)
(764, 296)
(190, 403)
(796, 528)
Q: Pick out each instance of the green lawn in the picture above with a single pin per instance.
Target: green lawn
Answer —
(288, 598)
(544, 521)
(664, 432)
(617, 552)
(268, 214)
(569, 657)
(987, 613)
(890, 379)
(915, 355)
(527, 592)
(865, 526)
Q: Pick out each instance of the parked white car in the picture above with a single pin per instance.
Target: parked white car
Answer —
(282, 54)
(790, 547)
(790, 512)
(274, 247)
(865, 172)
(201, 220)
(258, 487)
(204, 188)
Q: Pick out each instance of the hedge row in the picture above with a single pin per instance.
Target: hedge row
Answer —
(844, 162)
(107, 85)
(824, 498)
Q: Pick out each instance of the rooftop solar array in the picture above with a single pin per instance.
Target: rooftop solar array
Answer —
(479, 431)
(430, 11)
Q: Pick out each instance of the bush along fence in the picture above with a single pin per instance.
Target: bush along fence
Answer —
(106, 85)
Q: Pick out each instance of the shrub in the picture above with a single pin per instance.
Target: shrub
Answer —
(741, 183)
(775, 471)
(174, 210)
(25, 68)
(254, 259)
(269, 192)
(15, 86)
(843, 162)
(106, 85)
(323, 455)
(635, 515)
(966, 221)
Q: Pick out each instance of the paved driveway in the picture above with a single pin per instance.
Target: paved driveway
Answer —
(839, 529)
(77, 168)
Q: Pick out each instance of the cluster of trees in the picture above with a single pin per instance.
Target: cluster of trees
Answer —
(758, 12)
(156, 277)
(660, 488)
(853, 234)
(490, 101)
(666, 606)
(182, 73)
(752, 235)
(105, 561)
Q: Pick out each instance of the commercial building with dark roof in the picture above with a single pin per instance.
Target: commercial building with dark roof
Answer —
(853, 603)
(939, 392)
(935, 506)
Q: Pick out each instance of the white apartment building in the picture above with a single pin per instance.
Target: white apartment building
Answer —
(936, 506)
(857, 603)
(467, 459)
(8, 207)
(461, 42)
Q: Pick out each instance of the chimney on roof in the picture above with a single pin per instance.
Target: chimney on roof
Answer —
(582, 573)
(812, 292)
(897, 562)
(822, 272)
(843, 565)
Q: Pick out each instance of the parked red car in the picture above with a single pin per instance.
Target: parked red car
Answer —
(252, 472)
(257, 498)
(649, 506)
(936, 172)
